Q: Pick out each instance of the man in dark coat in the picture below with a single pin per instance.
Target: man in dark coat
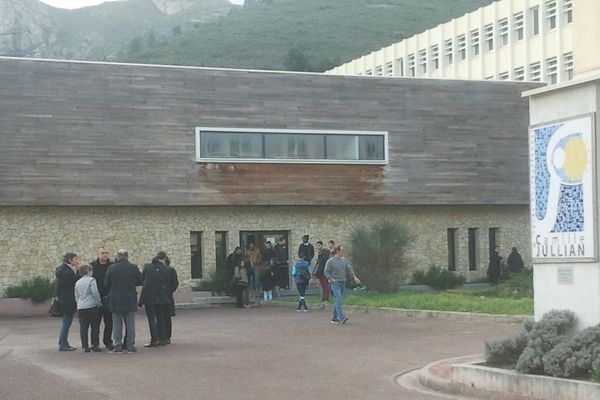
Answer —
(66, 276)
(494, 271)
(100, 267)
(121, 281)
(306, 250)
(283, 255)
(155, 297)
(170, 309)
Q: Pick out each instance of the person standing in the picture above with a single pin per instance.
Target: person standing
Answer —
(232, 261)
(301, 274)
(282, 253)
(331, 245)
(66, 276)
(254, 257)
(88, 308)
(267, 281)
(170, 309)
(155, 298)
(494, 271)
(100, 266)
(306, 250)
(515, 262)
(322, 257)
(241, 283)
(337, 268)
(121, 281)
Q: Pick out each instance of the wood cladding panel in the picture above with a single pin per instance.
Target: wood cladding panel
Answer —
(75, 133)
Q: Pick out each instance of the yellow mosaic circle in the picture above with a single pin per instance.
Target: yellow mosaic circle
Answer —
(575, 158)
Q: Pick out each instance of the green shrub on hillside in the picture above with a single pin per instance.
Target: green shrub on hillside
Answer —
(438, 278)
(37, 289)
(378, 254)
(517, 286)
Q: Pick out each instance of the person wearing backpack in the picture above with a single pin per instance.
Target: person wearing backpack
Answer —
(301, 274)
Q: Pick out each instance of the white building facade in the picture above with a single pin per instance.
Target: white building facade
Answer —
(519, 40)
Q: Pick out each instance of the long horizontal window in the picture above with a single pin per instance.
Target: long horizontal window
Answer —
(290, 146)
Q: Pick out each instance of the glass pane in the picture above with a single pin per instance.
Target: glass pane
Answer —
(231, 145)
(371, 148)
(294, 146)
(342, 147)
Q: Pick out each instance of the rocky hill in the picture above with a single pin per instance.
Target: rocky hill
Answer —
(100, 32)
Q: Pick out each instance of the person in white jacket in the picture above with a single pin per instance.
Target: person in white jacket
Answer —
(88, 301)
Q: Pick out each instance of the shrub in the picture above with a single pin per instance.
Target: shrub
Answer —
(219, 282)
(596, 374)
(438, 278)
(543, 337)
(378, 254)
(507, 351)
(575, 357)
(37, 289)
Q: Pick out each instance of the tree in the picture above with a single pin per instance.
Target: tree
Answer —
(151, 41)
(379, 254)
(297, 60)
(135, 46)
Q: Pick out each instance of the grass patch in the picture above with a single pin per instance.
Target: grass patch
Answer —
(443, 301)
(519, 286)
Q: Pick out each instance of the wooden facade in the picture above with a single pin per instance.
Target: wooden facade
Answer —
(80, 133)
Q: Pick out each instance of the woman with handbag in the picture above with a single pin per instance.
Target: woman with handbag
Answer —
(66, 276)
(240, 275)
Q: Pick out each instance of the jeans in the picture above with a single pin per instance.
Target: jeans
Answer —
(129, 318)
(301, 286)
(338, 291)
(255, 278)
(63, 339)
(156, 322)
(89, 317)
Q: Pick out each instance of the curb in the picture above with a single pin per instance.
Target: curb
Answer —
(404, 312)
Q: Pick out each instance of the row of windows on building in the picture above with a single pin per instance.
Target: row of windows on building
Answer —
(457, 49)
(472, 246)
(319, 146)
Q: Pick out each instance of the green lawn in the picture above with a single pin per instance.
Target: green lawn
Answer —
(442, 301)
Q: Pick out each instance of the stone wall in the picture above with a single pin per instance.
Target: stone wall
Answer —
(33, 239)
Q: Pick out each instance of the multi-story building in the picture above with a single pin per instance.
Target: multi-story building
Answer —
(522, 40)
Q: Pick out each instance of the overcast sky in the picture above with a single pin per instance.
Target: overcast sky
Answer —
(84, 3)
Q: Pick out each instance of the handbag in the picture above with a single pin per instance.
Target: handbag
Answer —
(54, 309)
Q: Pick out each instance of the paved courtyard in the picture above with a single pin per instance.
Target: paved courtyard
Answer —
(261, 353)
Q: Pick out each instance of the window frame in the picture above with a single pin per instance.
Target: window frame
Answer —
(200, 159)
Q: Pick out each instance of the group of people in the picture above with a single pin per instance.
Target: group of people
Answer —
(514, 264)
(107, 291)
(268, 269)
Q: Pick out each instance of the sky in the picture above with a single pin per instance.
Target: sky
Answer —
(83, 3)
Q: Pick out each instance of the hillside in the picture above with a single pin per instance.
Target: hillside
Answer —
(299, 35)
(98, 32)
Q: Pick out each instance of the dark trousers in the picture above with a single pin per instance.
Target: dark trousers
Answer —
(156, 322)
(168, 322)
(239, 292)
(301, 286)
(87, 318)
(105, 315)
(324, 287)
(284, 276)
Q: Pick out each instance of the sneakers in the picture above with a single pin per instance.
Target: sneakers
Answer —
(151, 344)
(96, 349)
(335, 321)
(116, 350)
(67, 348)
(87, 349)
(298, 310)
(131, 350)
(305, 310)
(345, 320)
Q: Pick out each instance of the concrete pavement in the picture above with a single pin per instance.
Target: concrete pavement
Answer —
(262, 353)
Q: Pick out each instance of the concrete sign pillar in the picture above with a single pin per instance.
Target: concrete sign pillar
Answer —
(563, 155)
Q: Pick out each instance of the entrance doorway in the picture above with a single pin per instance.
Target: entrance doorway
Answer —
(259, 238)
